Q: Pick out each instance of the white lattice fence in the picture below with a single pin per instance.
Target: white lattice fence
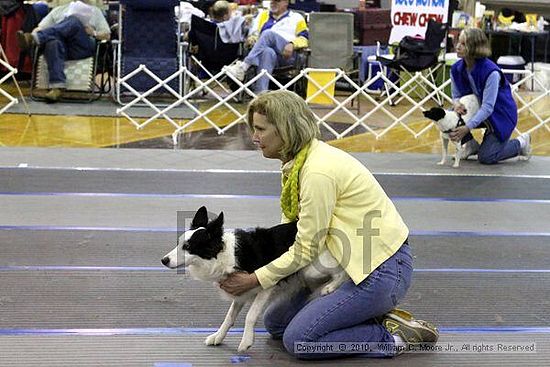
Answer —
(226, 100)
(528, 80)
(304, 76)
(11, 72)
(400, 92)
(341, 105)
(223, 98)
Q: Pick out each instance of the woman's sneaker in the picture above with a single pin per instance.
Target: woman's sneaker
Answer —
(403, 324)
(525, 152)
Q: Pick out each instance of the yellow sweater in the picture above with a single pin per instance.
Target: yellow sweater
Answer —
(340, 194)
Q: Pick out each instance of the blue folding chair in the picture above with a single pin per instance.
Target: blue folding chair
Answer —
(148, 35)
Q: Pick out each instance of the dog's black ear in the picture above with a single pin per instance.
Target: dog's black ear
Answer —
(215, 228)
(201, 218)
(435, 113)
(440, 113)
(218, 221)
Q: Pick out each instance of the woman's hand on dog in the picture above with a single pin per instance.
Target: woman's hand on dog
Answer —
(459, 108)
(239, 282)
(458, 133)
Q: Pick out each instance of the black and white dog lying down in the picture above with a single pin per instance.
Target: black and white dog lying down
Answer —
(210, 254)
(446, 121)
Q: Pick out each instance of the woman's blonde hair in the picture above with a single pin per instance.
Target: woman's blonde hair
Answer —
(476, 43)
(292, 117)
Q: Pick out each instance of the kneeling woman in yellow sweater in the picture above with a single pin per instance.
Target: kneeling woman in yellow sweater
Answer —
(341, 207)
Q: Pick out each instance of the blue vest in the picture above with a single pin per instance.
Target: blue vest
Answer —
(504, 118)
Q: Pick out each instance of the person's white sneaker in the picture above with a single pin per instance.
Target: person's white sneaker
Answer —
(237, 70)
(525, 152)
(470, 147)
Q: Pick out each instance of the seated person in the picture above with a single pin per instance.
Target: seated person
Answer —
(233, 27)
(277, 33)
(68, 32)
(475, 73)
(220, 11)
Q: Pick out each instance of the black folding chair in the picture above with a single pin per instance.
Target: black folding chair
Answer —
(415, 55)
(207, 53)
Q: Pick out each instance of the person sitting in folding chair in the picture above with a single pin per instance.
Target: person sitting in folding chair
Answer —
(233, 28)
(476, 74)
(277, 33)
(68, 32)
(220, 12)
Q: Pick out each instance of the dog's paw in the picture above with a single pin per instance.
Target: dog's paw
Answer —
(441, 163)
(456, 164)
(214, 339)
(244, 345)
(328, 289)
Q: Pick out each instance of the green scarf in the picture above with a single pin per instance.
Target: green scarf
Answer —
(289, 193)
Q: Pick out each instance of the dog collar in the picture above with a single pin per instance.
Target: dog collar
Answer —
(459, 123)
(460, 120)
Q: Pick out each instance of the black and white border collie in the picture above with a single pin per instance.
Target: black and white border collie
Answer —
(446, 121)
(210, 254)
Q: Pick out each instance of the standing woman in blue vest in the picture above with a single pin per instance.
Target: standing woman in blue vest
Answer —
(476, 73)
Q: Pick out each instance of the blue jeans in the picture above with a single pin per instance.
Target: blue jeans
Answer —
(66, 40)
(492, 150)
(347, 314)
(267, 54)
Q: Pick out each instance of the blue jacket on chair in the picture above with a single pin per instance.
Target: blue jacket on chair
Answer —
(504, 118)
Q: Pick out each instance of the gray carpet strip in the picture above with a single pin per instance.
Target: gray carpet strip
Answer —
(60, 181)
(74, 299)
(96, 108)
(187, 351)
(161, 212)
(108, 248)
